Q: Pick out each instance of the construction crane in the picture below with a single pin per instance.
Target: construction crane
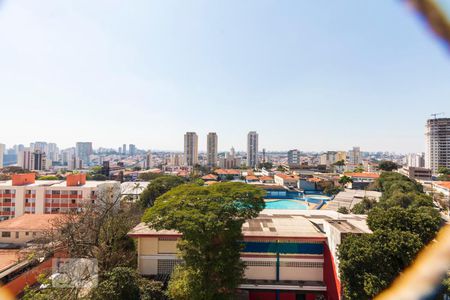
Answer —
(437, 114)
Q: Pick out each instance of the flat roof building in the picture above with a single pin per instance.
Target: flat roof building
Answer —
(291, 252)
(25, 195)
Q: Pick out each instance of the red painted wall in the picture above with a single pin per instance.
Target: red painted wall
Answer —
(75, 179)
(270, 296)
(17, 285)
(22, 179)
(330, 276)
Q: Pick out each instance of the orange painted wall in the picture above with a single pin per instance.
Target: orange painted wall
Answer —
(22, 179)
(17, 286)
(76, 179)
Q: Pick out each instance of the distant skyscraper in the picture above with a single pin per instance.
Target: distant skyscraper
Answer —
(32, 160)
(354, 156)
(294, 157)
(24, 159)
(2, 152)
(132, 149)
(52, 152)
(83, 150)
(437, 133)
(39, 161)
(211, 145)
(190, 148)
(252, 149)
(124, 149)
(148, 160)
(264, 155)
(40, 146)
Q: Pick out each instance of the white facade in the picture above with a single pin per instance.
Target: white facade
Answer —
(415, 160)
(437, 134)
(252, 149)
(46, 197)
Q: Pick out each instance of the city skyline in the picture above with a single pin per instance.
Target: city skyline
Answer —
(75, 73)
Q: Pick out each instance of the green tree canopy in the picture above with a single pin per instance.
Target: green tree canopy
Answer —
(387, 165)
(370, 262)
(123, 283)
(210, 220)
(49, 177)
(363, 207)
(345, 179)
(422, 221)
(402, 222)
(157, 187)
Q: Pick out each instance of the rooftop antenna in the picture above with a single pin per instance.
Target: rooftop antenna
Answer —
(437, 114)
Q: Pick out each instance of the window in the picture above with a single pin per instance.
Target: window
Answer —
(27, 233)
(6, 234)
(56, 193)
(165, 266)
(73, 201)
(74, 193)
(17, 234)
(7, 200)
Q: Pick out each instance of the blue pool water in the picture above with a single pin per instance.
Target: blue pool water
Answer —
(285, 204)
(284, 199)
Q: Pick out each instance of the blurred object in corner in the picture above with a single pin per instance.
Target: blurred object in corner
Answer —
(423, 279)
(435, 16)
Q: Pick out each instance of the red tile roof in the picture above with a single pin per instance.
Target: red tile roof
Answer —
(444, 184)
(227, 172)
(210, 177)
(30, 222)
(266, 178)
(287, 177)
(251, 177)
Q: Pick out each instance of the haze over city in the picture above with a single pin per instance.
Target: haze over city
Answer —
(307, 76)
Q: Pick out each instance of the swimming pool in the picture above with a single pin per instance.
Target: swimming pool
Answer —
(285, 204)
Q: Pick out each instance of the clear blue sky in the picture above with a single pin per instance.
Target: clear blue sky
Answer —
(313, 75)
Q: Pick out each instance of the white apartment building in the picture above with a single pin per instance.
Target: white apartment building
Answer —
(212, 149)
(437, 134)
(252, 149)
(25, 195)
(415, 160)
(191, 148)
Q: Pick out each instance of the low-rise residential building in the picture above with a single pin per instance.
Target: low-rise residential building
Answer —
(286, 180)
(266, 179)
(251, 179)
(23, 229)
(417, 173)
(210, 177)
(25, 195)
(442, 187)
(361, 180)
(228, 174)
(292, 254)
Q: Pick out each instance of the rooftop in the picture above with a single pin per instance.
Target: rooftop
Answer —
(29, 222)
(444, 184)
(55, 183)
(282, 224)
(287, 177)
